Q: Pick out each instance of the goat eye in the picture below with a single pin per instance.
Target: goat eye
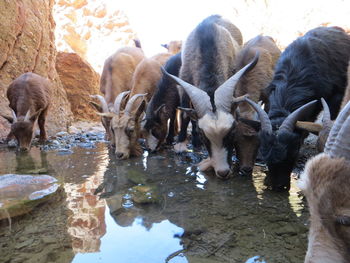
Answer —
(343, 220)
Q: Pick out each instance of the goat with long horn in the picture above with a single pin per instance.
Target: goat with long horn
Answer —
(215, 120)
(311, 67)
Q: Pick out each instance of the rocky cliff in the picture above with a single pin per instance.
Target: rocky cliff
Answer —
(27, 43)
(91, 29)
(79, 80)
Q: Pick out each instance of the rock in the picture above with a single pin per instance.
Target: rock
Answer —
(61, 134)
(96, 20)
(79, 80)
(136, 177)
(143, 194)
(27, 44)
(19, 194)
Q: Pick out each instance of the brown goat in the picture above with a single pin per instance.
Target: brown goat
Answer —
(116, 77)
(29, 97)
(147, 75)
(325, 183)
(253, 83)
(322, 130)
(173, 47)
(125, 125)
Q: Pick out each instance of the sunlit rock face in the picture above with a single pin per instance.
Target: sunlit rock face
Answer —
(79, 80)
(91, 30)
(86, 224)
(27, 44)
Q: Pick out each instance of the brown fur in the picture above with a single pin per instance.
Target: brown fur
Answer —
(253, 84)
(126, 131)
(173, 47)
(118, 71)
(28, 93)
(116, 77)
(147, 75)
(325, 182)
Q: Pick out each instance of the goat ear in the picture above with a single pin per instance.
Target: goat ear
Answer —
(191, 113)
(256, 125)
(312, 127)
(96, 106)
(8, 118)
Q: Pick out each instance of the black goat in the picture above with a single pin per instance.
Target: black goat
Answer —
(311, 67)
(162, 107)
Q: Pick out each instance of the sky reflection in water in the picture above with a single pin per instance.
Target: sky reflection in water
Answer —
(119, 244)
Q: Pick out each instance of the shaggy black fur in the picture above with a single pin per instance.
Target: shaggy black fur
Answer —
(311, 67)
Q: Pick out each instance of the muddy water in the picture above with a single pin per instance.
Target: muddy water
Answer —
(189, 216)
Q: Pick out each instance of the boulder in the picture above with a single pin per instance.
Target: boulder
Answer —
(79, 80)
(27, 44)
(19, 194)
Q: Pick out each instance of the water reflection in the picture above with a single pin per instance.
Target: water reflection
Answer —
(194, 218)
(133, 243)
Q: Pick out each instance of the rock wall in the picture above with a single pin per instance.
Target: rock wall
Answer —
(79, 80)
(91, 30)
(27, 43)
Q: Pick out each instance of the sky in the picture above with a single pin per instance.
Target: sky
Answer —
(159, 21)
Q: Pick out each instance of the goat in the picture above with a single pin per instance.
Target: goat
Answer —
(173, 47)
(147, 75)
(325, 183)
(125, 125)
(253, 83)
(212, 50)
(116, 77)
(162, 108)
(311, 67)
(29, 96)
(208, 60)
(322, 130)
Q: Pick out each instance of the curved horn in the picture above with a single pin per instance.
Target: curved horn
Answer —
(118, 101)
(102, 101)
(264, 118)
(333, 134)
(14, 116)
(341, 147)
(131, 101)
(289, 123)
(224, 94)
(199, 98)
(326, 119)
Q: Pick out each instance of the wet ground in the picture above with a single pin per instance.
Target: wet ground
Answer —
(156, 208)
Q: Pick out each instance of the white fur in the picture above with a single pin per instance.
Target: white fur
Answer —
(215, 128)
(152, 142)
(180, 147)
(304, 181)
